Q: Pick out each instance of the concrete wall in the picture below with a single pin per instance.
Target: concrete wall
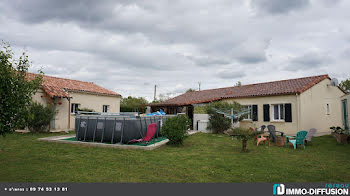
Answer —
(197, 117)
(313, 107)
(289, 128)
(86, 100)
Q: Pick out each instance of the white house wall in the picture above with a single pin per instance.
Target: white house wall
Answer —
(313, 107)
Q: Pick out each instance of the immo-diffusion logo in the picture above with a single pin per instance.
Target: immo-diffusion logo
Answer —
(329, 189)
(278, 189)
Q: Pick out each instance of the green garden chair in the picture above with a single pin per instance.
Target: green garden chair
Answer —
(299, 139)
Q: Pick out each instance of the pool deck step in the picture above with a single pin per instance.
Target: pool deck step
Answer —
(60, 139)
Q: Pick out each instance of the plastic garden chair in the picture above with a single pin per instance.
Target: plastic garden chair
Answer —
(261, 138)
(272, 131)
(309, 135)
(299, 139)
(151, 130)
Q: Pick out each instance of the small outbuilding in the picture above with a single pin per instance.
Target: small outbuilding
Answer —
(67, 96)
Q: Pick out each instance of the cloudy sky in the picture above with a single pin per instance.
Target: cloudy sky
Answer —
(129, 46)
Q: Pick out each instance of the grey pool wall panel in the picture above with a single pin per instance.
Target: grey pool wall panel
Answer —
(112, 129)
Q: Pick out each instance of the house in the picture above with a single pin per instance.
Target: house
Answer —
(345, 105)
(291, 105)
(67, 96)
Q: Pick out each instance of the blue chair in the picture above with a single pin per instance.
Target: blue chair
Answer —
(299, 139)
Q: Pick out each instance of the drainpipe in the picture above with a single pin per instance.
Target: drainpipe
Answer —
(68, 113)
(54, 117)
(50, 105)
(298, 112)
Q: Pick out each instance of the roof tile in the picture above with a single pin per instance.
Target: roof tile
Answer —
(281, 87)
(59, 87)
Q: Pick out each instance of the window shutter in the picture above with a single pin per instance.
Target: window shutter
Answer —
(255, 113)
(288, 112)
(266, 112)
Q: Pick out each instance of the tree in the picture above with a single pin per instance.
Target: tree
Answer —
(133, 104)
(345, 85)
(164, 97)
(218, 122)
(243, 135)
(239, 83)
(16, 90)
(190, 90)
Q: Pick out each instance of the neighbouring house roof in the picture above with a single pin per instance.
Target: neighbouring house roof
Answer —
(281, 87)
(60, 87)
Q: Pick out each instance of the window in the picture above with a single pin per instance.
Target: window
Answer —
(278, 112)
(75, 108)
(105, 108)
(249, 115)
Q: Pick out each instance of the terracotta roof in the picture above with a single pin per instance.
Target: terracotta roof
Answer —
(281, 87)
(195, 97)
(60, 87)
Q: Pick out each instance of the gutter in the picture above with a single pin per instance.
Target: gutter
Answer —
(68, 113)
(299, 111)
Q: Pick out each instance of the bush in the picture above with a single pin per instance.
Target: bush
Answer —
(39, 117)
(218, 122)
(175, 128)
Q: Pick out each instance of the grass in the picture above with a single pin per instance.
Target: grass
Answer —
(202, 158)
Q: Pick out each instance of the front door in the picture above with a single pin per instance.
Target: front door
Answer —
(345, 114)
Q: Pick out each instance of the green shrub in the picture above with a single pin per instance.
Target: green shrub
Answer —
(175, 128)
(39, 117)
(218, 122)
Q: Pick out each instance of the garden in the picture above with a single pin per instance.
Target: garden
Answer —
(201, 158)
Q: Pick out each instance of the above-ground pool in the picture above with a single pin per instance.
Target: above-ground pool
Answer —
(115, 129)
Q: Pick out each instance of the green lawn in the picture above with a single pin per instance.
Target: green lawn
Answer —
(202, 158)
